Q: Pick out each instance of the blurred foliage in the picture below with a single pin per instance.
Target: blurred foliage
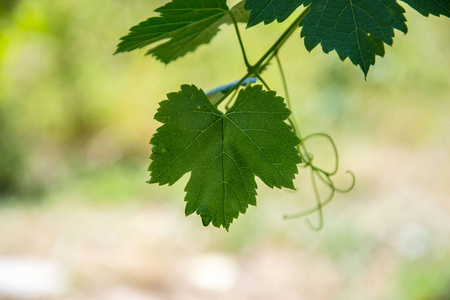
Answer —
(11, 158)
(11, 162)
(75, 121)
(425, 280)
(7, 6)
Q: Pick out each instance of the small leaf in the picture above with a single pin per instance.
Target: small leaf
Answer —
(185, 23)
(223, 152)
(427, 7)
(354, 28)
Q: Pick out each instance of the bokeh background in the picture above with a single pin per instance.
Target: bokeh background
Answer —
(78, 220)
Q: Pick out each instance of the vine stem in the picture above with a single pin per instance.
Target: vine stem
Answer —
(254, 69)
(241, 44)
(263, 82)
(238, 84)
(281, 40)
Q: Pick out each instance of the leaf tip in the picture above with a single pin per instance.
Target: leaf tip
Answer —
(365, 70)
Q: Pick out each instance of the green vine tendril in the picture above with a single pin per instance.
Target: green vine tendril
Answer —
(316, 172)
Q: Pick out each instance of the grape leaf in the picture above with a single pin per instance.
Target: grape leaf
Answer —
(269, 10)
(427, 7)
(187, 25)
(354, 28)
(223, 152)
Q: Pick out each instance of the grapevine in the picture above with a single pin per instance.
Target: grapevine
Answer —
(255, 135)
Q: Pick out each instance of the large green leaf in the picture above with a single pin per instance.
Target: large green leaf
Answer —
(354, 28)
(427, 7)
(357, 29)
(223, 152)
(186, 25)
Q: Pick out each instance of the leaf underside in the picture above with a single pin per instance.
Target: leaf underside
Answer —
(182, 26)
(357, 29)
(223, 152)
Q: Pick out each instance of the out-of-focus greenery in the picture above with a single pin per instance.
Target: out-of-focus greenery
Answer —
(6, 6)
(75, 122)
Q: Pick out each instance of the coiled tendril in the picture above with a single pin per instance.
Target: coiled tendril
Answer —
(308, 162)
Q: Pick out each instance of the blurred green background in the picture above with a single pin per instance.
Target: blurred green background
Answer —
(75, 122)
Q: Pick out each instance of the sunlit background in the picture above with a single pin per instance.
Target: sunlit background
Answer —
(79, 221)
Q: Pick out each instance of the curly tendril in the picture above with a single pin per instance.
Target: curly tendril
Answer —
(308, 162)
(324, 176)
